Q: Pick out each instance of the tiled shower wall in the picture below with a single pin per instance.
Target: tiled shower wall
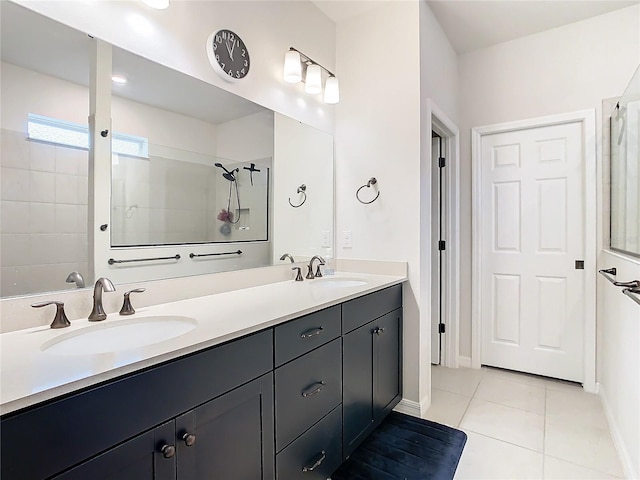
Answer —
(43, 215)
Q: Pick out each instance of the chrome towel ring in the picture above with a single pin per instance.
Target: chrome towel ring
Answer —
(301, 189)
(372, 181)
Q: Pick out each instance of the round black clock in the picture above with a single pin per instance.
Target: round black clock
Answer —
(228, 55)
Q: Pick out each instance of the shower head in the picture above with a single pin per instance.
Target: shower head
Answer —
(229, 175)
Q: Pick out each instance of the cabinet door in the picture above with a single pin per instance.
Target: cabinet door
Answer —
(386, 363)
(357, 400)
(149, 456)
(230, 437)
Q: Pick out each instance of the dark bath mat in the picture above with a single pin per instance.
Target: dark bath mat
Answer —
(408, 448)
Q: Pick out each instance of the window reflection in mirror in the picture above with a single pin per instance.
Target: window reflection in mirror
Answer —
(625, 170)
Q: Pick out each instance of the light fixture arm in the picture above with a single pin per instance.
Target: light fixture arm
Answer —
(306, 59)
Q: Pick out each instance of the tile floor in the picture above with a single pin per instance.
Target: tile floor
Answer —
(523, 426)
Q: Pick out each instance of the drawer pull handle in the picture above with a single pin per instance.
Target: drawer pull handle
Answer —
(311, 333)
(189, 439)
(319, 459)
(313, 389)
(168, 451)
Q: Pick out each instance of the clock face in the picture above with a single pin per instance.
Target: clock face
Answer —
(228, 55)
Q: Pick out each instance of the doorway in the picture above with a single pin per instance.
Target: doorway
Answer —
(442, 246)
(533, 285)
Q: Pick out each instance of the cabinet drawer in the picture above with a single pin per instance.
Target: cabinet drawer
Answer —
(359, 311)
(304, 334)
(306, 390)
(319, 450)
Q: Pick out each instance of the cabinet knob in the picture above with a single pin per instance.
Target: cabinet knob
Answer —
(189, 439)
(168, 451)
(379, 331)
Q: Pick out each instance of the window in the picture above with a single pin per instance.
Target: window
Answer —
(71, 134)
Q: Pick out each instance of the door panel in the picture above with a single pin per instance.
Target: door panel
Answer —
(532, 233)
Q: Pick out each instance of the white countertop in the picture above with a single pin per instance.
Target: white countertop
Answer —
(29, 375)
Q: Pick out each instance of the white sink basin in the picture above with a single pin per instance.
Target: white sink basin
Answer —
(328, 282)
(120, 335)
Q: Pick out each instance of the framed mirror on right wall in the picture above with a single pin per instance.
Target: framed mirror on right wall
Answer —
(625, 170)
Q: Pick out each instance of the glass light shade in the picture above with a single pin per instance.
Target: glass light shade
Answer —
(313, 80)
(157, 4)
(292, 67)
(331, 91)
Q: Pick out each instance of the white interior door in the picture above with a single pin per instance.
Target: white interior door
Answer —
(532, 234)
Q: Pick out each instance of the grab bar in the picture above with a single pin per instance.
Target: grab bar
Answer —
(196, 255)
(609, 274)
(111, 261)
(633, 294)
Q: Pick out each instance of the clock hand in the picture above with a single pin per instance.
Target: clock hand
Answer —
(233, 47)
(229, 49)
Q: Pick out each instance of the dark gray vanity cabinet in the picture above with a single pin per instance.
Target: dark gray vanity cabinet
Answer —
(288, 402)
(116, 423)
(371, 363)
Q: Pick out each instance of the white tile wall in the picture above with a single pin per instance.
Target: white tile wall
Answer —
(43, 215)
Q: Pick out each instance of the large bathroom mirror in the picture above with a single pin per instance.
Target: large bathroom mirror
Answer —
(625, 170)
(195, 169)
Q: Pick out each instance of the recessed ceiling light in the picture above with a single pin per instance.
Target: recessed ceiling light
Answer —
(118, 79)
(157, 4)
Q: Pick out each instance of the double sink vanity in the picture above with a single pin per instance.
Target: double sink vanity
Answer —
(282, 380)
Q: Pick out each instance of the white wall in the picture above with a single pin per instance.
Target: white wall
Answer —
(378, 135)
(176, 38)
(565, 69)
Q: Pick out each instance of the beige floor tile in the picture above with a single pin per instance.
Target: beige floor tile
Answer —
(488, 458)
(576, 407)
(561, 385)
(504, 391)
(447, 407)
(510, 424)
(516, 377)
(582, 445)
(462, 381)
(556, 469)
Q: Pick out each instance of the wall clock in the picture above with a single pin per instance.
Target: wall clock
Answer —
(228, 55)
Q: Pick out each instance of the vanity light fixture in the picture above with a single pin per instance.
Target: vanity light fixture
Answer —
(297, 66)
(157, 4)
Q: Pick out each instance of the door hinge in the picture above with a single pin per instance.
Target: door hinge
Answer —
(441, 328)
(442, 162)
(442, 245)
(579, 264)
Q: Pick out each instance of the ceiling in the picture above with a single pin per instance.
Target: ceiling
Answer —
(474, 24)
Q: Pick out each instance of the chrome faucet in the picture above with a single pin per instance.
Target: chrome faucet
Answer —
(98, 312)
(285, 256)
(318, 274)
(75, 277)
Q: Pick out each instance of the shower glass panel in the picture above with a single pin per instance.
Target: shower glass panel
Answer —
(625, 170)
(177, 197)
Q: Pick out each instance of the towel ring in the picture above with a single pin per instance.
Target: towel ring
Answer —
(301, 189)
(372, 181)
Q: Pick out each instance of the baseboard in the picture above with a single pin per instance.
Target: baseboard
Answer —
(618, 441)
(415, 409)
(464, 362)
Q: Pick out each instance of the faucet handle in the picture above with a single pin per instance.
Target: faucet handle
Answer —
(60, 320)
(318, 272)
(310, 275)
(299, 274)
(127, 308)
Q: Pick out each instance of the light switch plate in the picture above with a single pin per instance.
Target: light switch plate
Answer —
(326, 239)
(347, 239)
